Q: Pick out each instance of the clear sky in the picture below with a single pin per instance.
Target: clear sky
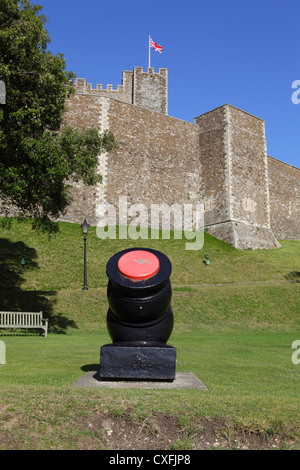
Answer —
(242, 52)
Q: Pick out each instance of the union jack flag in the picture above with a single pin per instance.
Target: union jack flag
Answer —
(156, 46)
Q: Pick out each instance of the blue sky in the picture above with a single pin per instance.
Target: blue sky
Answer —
(242, 52)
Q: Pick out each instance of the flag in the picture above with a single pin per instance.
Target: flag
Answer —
(155, 46)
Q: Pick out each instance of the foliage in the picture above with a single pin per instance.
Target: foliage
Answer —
(38, 154)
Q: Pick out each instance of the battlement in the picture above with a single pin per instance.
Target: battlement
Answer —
(81, 85)
(147, 89)
(122, 93)
(150, 71)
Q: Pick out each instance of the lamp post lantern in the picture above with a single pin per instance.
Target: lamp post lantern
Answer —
(85, 229)
(2, 93)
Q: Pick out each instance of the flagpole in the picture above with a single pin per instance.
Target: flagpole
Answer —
(149, 52)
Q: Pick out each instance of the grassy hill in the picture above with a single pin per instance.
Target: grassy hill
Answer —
(235, 322)
(252, 289)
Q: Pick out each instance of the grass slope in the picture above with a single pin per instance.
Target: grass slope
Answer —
(235, 322)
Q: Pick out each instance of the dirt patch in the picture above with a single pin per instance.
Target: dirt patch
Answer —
(125, 433)
(104, 430)
(162, 432)
(8, 419)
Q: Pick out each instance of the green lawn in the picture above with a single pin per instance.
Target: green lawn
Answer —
(235, 322)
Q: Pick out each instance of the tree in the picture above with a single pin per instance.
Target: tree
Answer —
(38, 153)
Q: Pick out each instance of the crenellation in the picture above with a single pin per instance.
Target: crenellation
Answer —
(123, 92)
(150, 71)
(81, 86)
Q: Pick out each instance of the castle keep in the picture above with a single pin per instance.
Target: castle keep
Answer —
(250, 199)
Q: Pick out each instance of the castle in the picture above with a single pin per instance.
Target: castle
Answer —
(250, 199)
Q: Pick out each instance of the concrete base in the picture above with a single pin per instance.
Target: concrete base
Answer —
(183, 380)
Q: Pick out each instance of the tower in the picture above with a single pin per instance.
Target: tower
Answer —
(148, 90)
(235, 187)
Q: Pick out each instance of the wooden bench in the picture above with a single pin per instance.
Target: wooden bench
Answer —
(24, 320)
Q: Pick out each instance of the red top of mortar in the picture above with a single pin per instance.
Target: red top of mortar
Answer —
(138, 264)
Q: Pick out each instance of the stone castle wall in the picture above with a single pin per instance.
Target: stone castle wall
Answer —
(214, 184)
(284, 188)
(220, 160)
(153, 164)
(250, 200)
(247, 152)
(84, 110)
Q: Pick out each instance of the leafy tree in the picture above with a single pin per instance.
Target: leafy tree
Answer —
(38, 154)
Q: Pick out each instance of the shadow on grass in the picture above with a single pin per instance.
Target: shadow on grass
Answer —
(13, 298)
(90, 367)
(293, 276)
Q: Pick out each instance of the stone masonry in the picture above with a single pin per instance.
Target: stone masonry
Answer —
(284, 190)
(235, 177)
(146, 89)
(220, 160)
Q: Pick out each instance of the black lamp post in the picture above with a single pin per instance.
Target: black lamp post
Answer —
(85, 229)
